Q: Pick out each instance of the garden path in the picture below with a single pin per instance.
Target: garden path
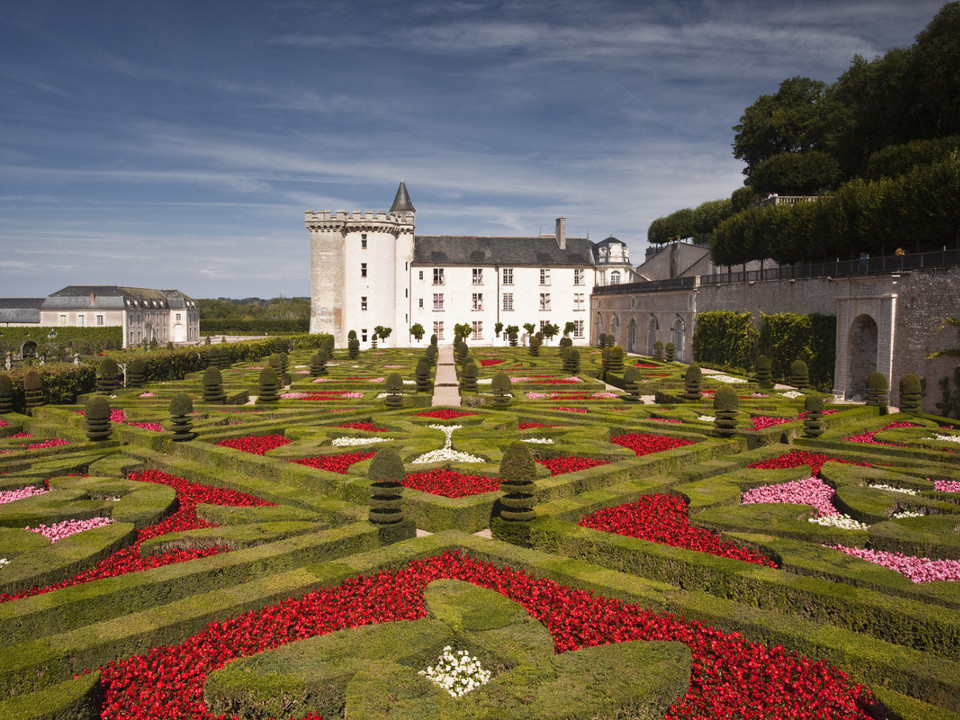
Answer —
(446, 388)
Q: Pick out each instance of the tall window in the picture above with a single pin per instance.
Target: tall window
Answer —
(438, 276)
(478, 276)
(508, 276)
(81, 320)
(363, 302)
(544, 276)
(363, 335)
(477, 301)
(100, 320)
(477, 327)
(438, 301)
(544, 301)
(363, 269)
(100, 317)
(615, 277)
(578, 330)
(578, 276)
(420, 302)
(508, 301)
(438, 329)
(363, 241)
(578, 301)
(421, 274)
(63, 319)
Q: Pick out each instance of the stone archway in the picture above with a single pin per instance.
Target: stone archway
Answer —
(632, 336)
(614, 329)
(677, 336)
(28, 349)
(599, 326)
(862, 346)
(653, 327)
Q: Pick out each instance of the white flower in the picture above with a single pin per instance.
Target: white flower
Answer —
(905, 491)
(726, 378)
(945, 438)
(446, 453)
(457, 674)
(4, 561)
(844, 522)
(348, 441)
(541, 441)
(906, 514)
(792, 394)
(706, 418)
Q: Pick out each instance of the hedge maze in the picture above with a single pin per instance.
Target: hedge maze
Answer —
(665, 553)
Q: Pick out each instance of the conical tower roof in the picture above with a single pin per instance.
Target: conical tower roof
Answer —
(401, 203)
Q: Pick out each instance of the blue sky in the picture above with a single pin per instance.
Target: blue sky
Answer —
(177, 144)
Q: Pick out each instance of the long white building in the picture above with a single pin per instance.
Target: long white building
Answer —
(371, 269)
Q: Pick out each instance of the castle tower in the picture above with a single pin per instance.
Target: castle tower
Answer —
(359, 270)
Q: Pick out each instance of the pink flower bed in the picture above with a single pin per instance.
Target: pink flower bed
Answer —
(61, 530)
(571, 409)
(155, 427)
(917, 569)
(327, 395)
(444, 414)
(946, 485)
(12, 495)
(812, 491)
(4, 423)
(669, 420)
(870, 437)
(146, 395)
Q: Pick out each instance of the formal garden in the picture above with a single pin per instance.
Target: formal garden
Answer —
(296, 531)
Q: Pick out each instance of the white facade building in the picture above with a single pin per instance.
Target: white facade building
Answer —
(371, 269)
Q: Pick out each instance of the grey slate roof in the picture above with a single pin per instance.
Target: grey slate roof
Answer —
(475, 250)
(20, 310)
(401, 203)
(112, 296)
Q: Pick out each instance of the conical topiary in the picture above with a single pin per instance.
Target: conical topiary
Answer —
(422, 374)
(610, 340)
(32, 390)
(136, 373)
(433, 340)
(764, 375)
(658, 350)
(692, 383)
(386, 491)
(911, 393)
(353, 348)
(96, 418)
(877, 388)
(726, 406)
(431, 353)
(181, 405)
(799, 374)
(670, 351)
(518, 473)
(605, 360)
(813, 416)
(631, 384)
(571, 361)
(565, 342)
(394, 387)
(602, 340)
(534, 346)
(6, 394)
(213, 385)
(461, 350)
(468, 378)
(109, 378)
(502, 388)
(328, 344)
(318, 363)
(615, 360)
(268, 386)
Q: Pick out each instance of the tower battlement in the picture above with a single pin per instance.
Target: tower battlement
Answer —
(359, 220)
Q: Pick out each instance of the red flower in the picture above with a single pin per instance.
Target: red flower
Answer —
(646, 443)
(334, 463)
(800, 457)
(369, 427)
(450, 483)
(570, 463)
(444, 414)
(256, 444)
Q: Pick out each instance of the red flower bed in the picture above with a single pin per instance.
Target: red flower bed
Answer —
(444, 414)
(663, 519)
(128, 559)
(488, 363)
(729, 673)
(762, 422)
(530, 425)
(570, 463)
(646, 443)
(571, 409)
(800, 457)
(369, 427)
(870, 437)
(450, 483)
(334, 463)
(653, 375)
(646, 365)
(256, 444)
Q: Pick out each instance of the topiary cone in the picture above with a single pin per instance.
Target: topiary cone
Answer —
(353, 348)
(181, 405)
(136, 373)
(534, 346)
(615, 360)
(571, 361)
(108, 376)
(692, 383)
(422, 375)
(658, 350)
(6, 395)
(764, 375)
(671, 351)
(386, 491)
(394, 387)
(268, 387)
(213, 385)
(468, 378)
(799, 374)
(631, 383)
(726, 407)
(502, 388)
(96, 418)
(32, 390)
(813, 416)
(911, 393)
(318, 363)
(518, 473)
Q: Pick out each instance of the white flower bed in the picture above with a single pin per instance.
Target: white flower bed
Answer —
(905, 491)
(446, 453)
(706, 418)
(351, 441)
(457, 673)
(906, 514)
(726, 379)
(844, 522)
(792, 394)
(540, 441)
(945, 438)
(4, 561)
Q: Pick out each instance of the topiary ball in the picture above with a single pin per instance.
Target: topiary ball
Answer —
(96, 418)
(181, 405)
(631, 382)
(32, 389)
(764, 375)
(799, 374)
(670, 350)
(268, 386)
(213, 385)
(386, 492)
(502, 387)
(726, 406)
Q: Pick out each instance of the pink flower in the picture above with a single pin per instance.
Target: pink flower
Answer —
(61, 530)
(918, 569)
(11, 495)
(812, 491)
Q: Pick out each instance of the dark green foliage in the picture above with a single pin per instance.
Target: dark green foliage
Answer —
(268, 386)
(877, 388)
(534, 348)
(764, 377)
(602, 340)
(431, 352)
(352, 335)
(911, 392)
(181, 405)
(615, 360)
(518, 471)
(571, 361)
(109, 378)
(813, 418)
(658, 349)
(394, 387)
(424, 384)
(512, 332)
(692, 383)
(726, 407)
(609, 341)
(433, 339)
(566, 342)
(671, 352)
(96, 418)
(386, 491)
(799, 375)
(6, 394)
(605, 360)
(502, 388)
(353, 348)
(949, 405)
(724, 339)
(213, 386)
(32, 390)
(631, 383)
(328, 344)
(136, 373)
(468, 378)
(697, 223)
(318, 363)
(785, 337)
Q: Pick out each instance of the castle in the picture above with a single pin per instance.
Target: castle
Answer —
(371, 269)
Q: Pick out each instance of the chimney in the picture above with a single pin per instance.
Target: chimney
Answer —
(562, 232)
(92, 297)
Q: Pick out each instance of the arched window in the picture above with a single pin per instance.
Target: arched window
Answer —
(615, 277)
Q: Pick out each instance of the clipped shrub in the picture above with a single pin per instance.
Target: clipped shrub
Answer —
(424, 384)
(268, 386)
(726, 407)
(433, 340)
(658, 350)
(692, 383)
(32, 390)
(571, 361)
(911, 392)
(518, 473)
(615, 360)
(605, 360)
(353, 348)
(431, 353)
(96, 418)
(502, 388)
(352, 335)
(799, 374)
(328, 344)
(109, 378)
(6, 395)
(461, 350)
(386, 492)
(565, 342)
(813, 416)
(394, 387)
(764, 376)
(631, 383)
(670, 352)
(223, 361)
(318, 363)
(610, 340)
(534, 347)
(213, 385)
(181, 405)
(877, 388)
(602, 340)
(136, 373)
(513, 335)
(468, 378)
